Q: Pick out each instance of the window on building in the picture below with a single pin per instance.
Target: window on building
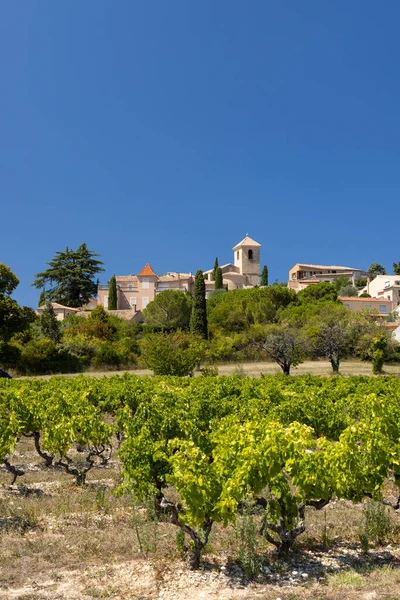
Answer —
(250, 254)
(145, 301)
(130, 287)
(387, 283)
(382, 308)
(133, 301)
(145, 283)
(237, 254)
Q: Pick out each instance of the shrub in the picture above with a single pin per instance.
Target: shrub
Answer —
(44, 357)
(172, 354)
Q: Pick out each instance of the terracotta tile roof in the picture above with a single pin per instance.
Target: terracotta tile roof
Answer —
(147, 271)
(247, 241)
(359, 299)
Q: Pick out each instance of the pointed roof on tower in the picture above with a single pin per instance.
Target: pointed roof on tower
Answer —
(147, 271)
(247, 241)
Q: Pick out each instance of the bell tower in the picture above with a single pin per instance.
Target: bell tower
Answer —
(247, 258)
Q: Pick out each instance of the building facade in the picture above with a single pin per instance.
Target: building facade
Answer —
(385, 287)
(134, 292)
(303, 275)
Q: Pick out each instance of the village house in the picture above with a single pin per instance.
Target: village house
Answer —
(384, 287)
(134, 292)
(303, 275)
(382, 307)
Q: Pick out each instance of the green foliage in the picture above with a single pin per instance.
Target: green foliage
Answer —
(348, 291)
(330, 334)
(283, 344)
(219, 283)
(198, 318)
(172, 354)
(48, 324)
(112, 294)
(214, 271)
(71, 276)
(379, 349)
(44, 356)
(362, 282)
(376, 525)
(396, 268)
(320, 292)
(376, 269)
(13, 317)
(8, 281)
(170, 309)
(365, 295)
(264, 276)
(238, 310)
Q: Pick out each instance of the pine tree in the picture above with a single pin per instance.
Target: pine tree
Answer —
(264, 276)
(42, 298)
(214, 271)
(49, 326)
(198, 318)
(112, 294)
(70, 274)
(219, 282)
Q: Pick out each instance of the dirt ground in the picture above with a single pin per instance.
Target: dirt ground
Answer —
(255, 369)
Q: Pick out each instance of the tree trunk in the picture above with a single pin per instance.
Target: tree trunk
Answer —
(335, 365)
(48, 458)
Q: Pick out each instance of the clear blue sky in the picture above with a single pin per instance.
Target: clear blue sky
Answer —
(163, 132)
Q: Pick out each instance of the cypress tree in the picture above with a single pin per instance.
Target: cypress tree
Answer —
(198, 318)
(219, 282)
(214, 271)
(49, 326)
(112, 294)
(264, 275)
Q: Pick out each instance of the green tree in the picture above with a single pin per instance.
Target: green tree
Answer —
(284, 344)
(198, 318)
(71, 276)
(376, 269)
(169, 309)
(219, 282)
(214, 271)
(396, 268)
(320, 292)
(112, 294)
(48, 324)
(13, 317)
(332, 334)
(264, 276)
(172, 354)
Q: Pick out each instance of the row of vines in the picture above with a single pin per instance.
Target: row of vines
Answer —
(206, 449)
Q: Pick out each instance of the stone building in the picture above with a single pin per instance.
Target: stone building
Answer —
(134, 292)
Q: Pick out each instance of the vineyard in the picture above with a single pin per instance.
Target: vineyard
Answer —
(202, 454)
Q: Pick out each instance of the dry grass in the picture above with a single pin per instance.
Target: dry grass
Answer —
(316, 367)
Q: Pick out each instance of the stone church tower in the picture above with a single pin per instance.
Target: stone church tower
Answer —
(247, 260)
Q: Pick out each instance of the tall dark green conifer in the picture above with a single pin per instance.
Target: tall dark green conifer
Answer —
(264, 275)
(219, 282)
(49, 326)
(69, 279)
(198, 318)
(112, 294)
(214, 271)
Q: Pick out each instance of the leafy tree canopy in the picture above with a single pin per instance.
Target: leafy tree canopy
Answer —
(376, 269)
(170, 309)
(13, 317)
(396, 268)
(70, 276)
(320, 292)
